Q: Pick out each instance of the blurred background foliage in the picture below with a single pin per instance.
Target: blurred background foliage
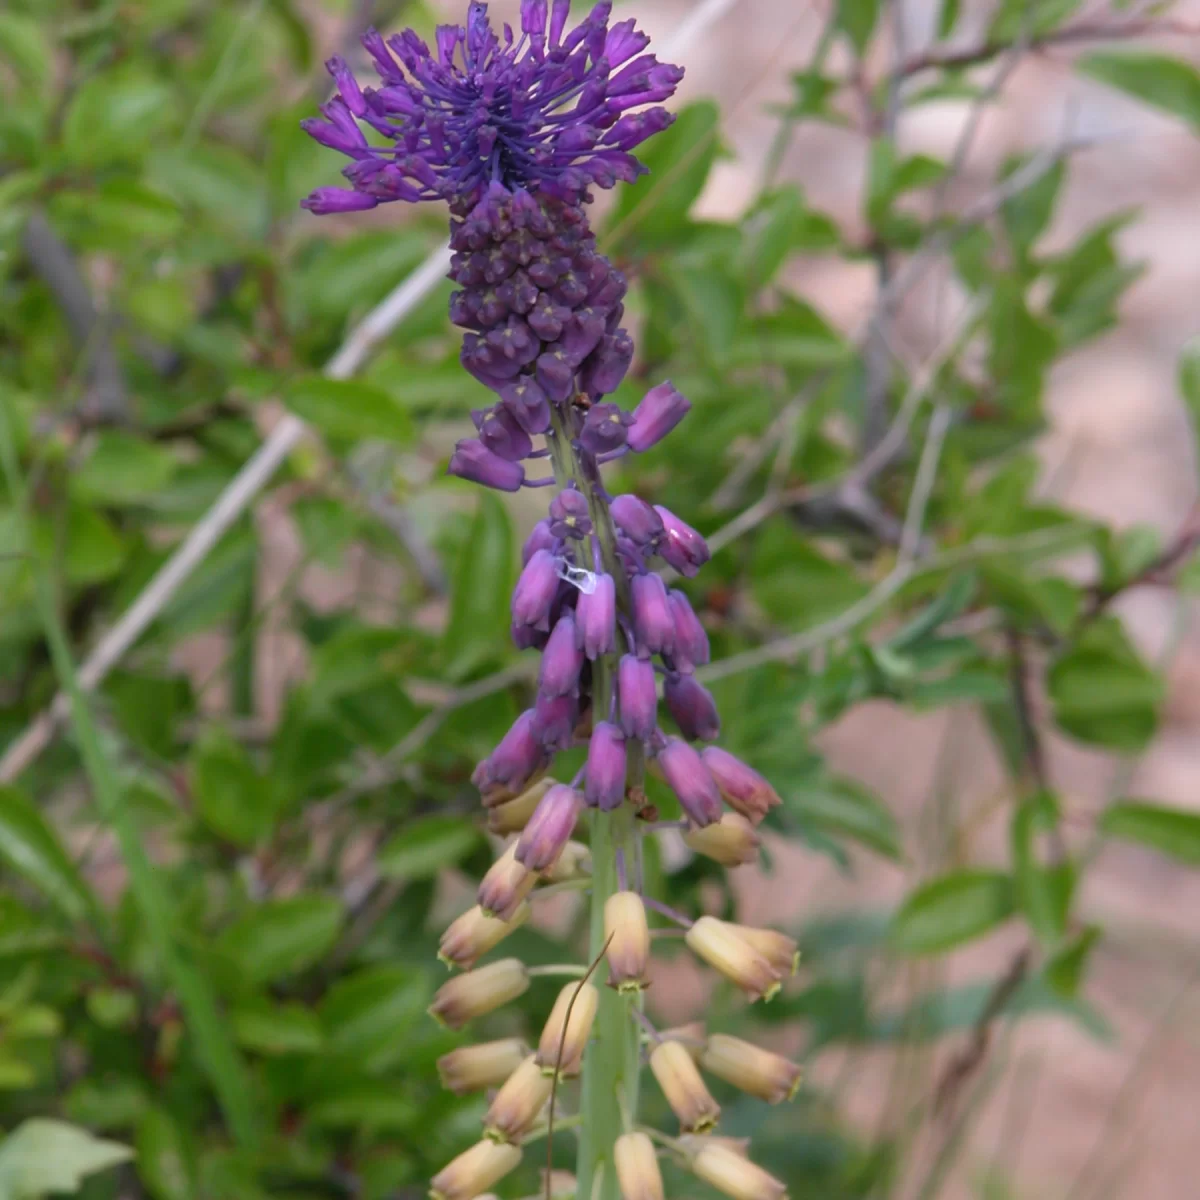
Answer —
(220, 897)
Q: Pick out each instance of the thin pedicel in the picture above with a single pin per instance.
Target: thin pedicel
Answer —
(512, 130)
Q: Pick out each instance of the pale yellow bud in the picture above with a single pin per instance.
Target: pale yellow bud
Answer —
(468, 996)
(723, 948)
(684, 1089)
(474, 1171)
(768, 1076)
(472, 935)
(489, 1064)
(505, 885)
(628, 937)
(574, 862)
(690, 1037)
(692, 1144)
(736, 1176)
(732, 841)
(517, 1104)
(781, 951)
(564, 1040)
(637, 1168)
(513, 815)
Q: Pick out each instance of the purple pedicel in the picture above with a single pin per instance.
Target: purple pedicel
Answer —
(561, 661)
(693, 708)
(550, 827)
(596, 618)
(638, 697)
(681, 546)
(691, 642)
(659, 412)
(604, 786)
(653, 621)
(534, 594)
(474, 461)
(689, 779)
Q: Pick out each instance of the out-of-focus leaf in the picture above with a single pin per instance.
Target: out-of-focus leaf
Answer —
(92, 550)
(1042, 893)
(1157, 79)
(164, 1161)
(232, 799)
(856, 19)
(1064, 972)
(1015, 19)
(277, 1028)
(32, 849)
(369, 1016)
(1189, 386)
(282, 937)
(42, 1156)
(25, 47)
(483, 581)
(424, 848)
(218, 182)
(114, 115)
(358, 271)
(841, 807)
(1027, 213)
(121, 469)
(952, 909)
(948, 18)
(1103, 692)
(1172, 831)
(372, 1107)
(24, 932)
(343, 408)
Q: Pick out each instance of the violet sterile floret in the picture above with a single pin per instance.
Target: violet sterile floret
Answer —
(692, 706)
(596, 618)
(691, 642)
(474, 461)
(569, 515)
(562, 661)
(653, 622)
(660, 411)
(637, 696)
(688, 778)
(534, 594)
(604, 787)
(681, 546)
(639, 521)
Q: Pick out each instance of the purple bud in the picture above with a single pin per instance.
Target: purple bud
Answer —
(549, 828)
(558, 20)
(638, 697)
(691, 642)
(604, 370)
(689, 779)
(556, 376)
(581, 334)
(525, 637)
(500, 433)
(637, 519)
(540, 539)
(561, 661)
(653, 621)
(596, 618)
(693, 708)
(605, 783)
(554, 721)
(534, 594)
(605, 429)
(569, 515)
(660, 411)
(624, 41)
(547, 318)
(681, 546)
(533, 18)
(527, 402)
(473, 460)
(517, 758)
(347, 85)
(743, 787)
(326, 200)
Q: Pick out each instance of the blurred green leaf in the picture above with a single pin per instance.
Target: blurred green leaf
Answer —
(1042, 893)
(841, 807)
(952, 909)
(1015, 19)
(1172, 831)
(369, 1015)
(121, 469)
(231, 797)
(426, 847)
(856, 19)
(372, 1107)
(92, 551)
(24, 932)
(277, 1028)
(164, 1162)
(282, 937)
(25, 47)
(42, 1156)
(1064, 972)
(1189, 386)
(114, 115)
(1028, 213)
(216, 181)
(31, 848)
(343, 408)
(1157, 79)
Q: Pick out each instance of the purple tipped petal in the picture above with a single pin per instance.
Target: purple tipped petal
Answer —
(681, 546)
(561, 661)
(326, 200)
(347, 85)
(653, 621)
(693, 708)
(596, 618)
(474, 461)
(689, 779)
(550, 827)
(638, 697)
(659, 412)
(691, 641)
(605, 782)
(535, 591)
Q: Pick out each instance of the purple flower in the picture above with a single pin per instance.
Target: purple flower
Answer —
(554, 721)
(474, 461)
(605, 783)
(743, 788)
(527, 403)
(659, 412)
(653, 621)
(602, 373)
(691, 642)
(638, 697)
(605, 429)
(542, 112)
(569, 515)
(327, 200)
(561, 661)
(681, 546)
(689, 779)
(501, 434)
(596, 618)
(534, 594)
(540, 539)
(636, 519)
(515, 761)
(549, 828)
(692, 706)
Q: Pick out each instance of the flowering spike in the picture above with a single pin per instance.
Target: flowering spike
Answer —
(691, 642)
(582, 1001)
(486, 1065)
(770, 1077)
(681, 546)
(561, 661)
(474, 1171)
(513, 765)
(781, 951)
(636, 519)
(476, 993)
(474, 461)
(575, 862)
(540, 538)
(741, 786)
(734, 1174)
(660, 411)
(683, 1088)
(688, 778)
(513, 815)
(549, 828)
(535, 591)
(652, 619)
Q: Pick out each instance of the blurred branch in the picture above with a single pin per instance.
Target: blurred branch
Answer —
(106, 401)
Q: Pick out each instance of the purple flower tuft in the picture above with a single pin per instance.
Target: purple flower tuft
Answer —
(596, 618)
(605, 784)
(549, 828)
(638, 697)
(692, 706)
(659, 412)
(653, 621)
(689, 779)
(474, 461)
(534, 594)
(681, 546)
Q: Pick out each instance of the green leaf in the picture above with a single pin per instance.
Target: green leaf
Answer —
(1189, 387)
(1157, 79)
(114, 115)
(1064, 972)
(112, 1008)
(274, 1029)
(483, 581)
(1043, 893)
(948, 18)
(369, 1016)
(839, 806)
(216, 181)
(951, 910)
(713, 303)
(1103, 692)
(857, 19)
(357, 271)
(1029, 18)
(42, 1156)
(164, 1161)
(1173, 831)
(343, 408)
(370, 1107)
(655, 209)
(282, 937)
(1027, 214)
(25, 47)
(23, 932)
(769, 236)
(92, 550)
(121, 469)
(423, 848)
(31, 848)
(232, 799)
